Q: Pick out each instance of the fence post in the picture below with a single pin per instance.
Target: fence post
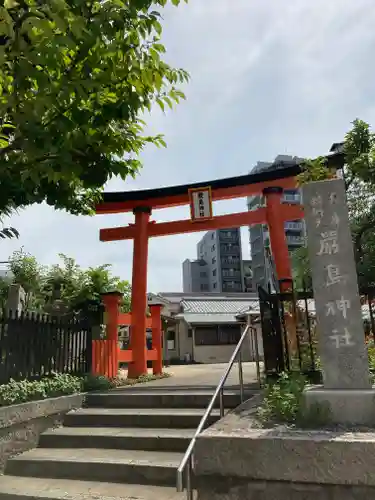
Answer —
(157, 364)
(111, 301)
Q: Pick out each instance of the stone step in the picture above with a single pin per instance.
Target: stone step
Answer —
(117, 438)
(166, 399)
(173, 418)
(118, 466)
(20, 488)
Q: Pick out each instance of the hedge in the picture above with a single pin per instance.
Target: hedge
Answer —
(61, 384)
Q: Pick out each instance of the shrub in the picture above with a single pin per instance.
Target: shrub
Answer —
(102, 383)
(282, 399)
(20, 392)
(25, 390)
(97, 383)
(283, 403)
(63, 384)
(371, 358)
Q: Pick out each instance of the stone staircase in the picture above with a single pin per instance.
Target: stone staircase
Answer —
(124, 444)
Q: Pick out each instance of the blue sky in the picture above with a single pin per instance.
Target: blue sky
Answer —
(267, 77)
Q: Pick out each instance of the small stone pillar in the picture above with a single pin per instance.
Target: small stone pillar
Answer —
(346, 380)
(157, 364)
(16, 298)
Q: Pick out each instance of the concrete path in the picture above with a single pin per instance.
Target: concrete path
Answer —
(204, 377)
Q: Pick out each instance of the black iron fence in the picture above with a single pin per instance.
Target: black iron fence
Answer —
(34, 345)
(289, 330)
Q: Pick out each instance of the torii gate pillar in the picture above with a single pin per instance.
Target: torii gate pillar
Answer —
(276, 226)
(139, 293)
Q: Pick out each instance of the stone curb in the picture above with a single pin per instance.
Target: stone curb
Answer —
(22, 424)
(17, 414)
(297, 456)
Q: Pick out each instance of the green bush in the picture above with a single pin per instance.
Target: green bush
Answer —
(371, 358)
(25, 390)
(102, 383)
(283, 404)
(63, 384)
(282, 399)
(97, 383)
(20, 392)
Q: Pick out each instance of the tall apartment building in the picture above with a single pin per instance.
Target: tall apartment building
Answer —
(262, 271)
(218, 267)
(247, 269)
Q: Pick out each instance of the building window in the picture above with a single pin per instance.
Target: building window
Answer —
(231, 259)
(212, 236)
(204, 288)
(214, 272)
(217, 335)
(203, 274)
(213, 260)
(214, 285)
(171, 340)
(190, 333)
(213, 248)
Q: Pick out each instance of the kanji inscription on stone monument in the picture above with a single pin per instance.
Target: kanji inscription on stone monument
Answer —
(340, 329)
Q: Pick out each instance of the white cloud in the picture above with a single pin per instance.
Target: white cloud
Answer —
(267, 77)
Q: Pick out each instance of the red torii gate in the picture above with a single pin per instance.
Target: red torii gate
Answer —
(200, 195)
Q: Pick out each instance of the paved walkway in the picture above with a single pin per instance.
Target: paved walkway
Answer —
(203, 377)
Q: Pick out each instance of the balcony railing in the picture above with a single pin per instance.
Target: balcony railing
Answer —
(297, 226)
(229, 236)
(295, 240)
(230, 262)
(229, 249)
(233, 274)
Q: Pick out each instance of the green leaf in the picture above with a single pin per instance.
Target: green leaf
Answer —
(10, 4)
(168, 101)
(161, 104)
(158, 28)
(162, 142)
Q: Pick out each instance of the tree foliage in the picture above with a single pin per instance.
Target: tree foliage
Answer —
(66, 281)
(359, 177)
(28, 273)
(76, 76)
(7, 232)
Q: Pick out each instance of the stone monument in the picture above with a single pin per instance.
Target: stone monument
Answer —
(346, 379)
(16, 298)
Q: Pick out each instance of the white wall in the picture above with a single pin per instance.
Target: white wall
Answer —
(214, 353)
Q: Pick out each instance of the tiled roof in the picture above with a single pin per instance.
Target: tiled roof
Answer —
(215, 306)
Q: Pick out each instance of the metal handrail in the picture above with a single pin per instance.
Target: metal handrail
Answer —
(186, 462)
